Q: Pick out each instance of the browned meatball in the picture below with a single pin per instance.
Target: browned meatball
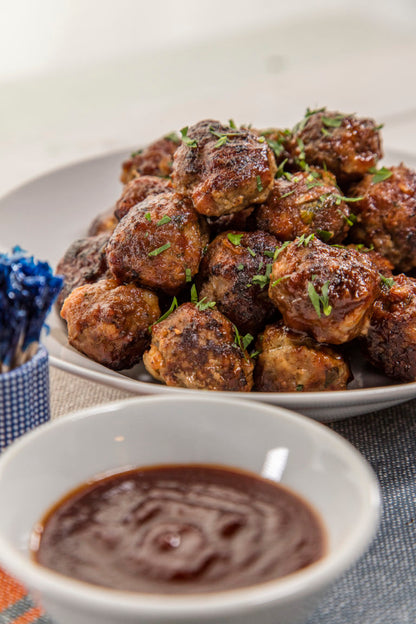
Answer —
(324, 291)
(382, 264)
(84, 262)
(155, 159)
(391, 338)
(345, 144)
(234, 273)
(137, 190)
(103, 223)
(306, 202)
(109, 322)
(196, 348)
(293, 362)
(386, 216)
(158, 244)
(223, 169)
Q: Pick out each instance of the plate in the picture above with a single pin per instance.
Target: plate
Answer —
(47, 214)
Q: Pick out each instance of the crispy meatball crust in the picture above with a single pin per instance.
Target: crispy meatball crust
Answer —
(391, 338)
(293, 362)
(158, 244)
(386, 216)
(109, 322)
(234, 275)
(223, 178)
(345, 144)
(302, 273)
(307, 202)
(84, 262)
(195, 348)
(137, 190)
(155, 160)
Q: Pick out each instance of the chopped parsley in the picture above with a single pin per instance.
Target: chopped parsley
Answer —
(187, 140)
(242, 341)
(159, 250)
(305, 240)
(164, 220)
(379, 175)
(279, 279)
(299, 388)
(240, 267)
(164, 316)
(203, 304)
(232, 124)
(259, 184)
(318, 300)
(387, 281)
(136, 153)
(332, 122)
(324, 235)
(148, 217)
(251, 252)
(188, 275)
(235, 239)
(280, 249)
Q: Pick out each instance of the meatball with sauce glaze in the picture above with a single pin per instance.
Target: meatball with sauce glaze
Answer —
(137, 190)
(325, 291)
(158, 244)
(110, 322)
(294, 362)
(346, 145)
(386, 215)
(223, 169)
(84, 262)
(391, 338)
(196, 348)
(306, 202)
(155, 159)
(234, 274)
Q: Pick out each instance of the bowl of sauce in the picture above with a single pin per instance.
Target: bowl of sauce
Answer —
(190, 509)
(179, 529)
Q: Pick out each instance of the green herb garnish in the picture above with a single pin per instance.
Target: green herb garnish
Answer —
(324, 235)
(259, 184)
(172, 136)
(164, 220)
(318, 300)
(299, 388)
(235, 239)
(187, 140)
(148, 217)
(164, 316)
(379, 175)
(159, 250)
(387, 281)
(188, 275)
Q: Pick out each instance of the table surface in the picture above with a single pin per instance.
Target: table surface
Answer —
(97, 110)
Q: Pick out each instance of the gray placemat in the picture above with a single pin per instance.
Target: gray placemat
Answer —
(381, 588)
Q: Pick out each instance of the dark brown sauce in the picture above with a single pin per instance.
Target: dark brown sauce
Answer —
(179, 529)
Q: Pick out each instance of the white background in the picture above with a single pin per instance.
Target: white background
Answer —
(83, 77)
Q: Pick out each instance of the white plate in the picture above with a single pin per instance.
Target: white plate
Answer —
(46, 215)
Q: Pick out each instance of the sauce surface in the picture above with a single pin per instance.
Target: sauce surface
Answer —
(179, 529)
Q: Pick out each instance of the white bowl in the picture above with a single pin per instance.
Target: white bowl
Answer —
(321, 466)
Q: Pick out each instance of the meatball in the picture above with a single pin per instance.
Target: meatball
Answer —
(345, 144)
(109, 322)
(234, 273)
(103, 223)
(386, 215)
(293, 362)
(158, 244)
(197, 348)
(325, 291)
(223, 169)
(391, 338)
(305, 203)
(84, 262)
(155, 159)
(137, 190)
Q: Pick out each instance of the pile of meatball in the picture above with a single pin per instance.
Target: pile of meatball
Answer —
(243, 259)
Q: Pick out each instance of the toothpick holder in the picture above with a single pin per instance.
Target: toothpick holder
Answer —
(24, 397)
